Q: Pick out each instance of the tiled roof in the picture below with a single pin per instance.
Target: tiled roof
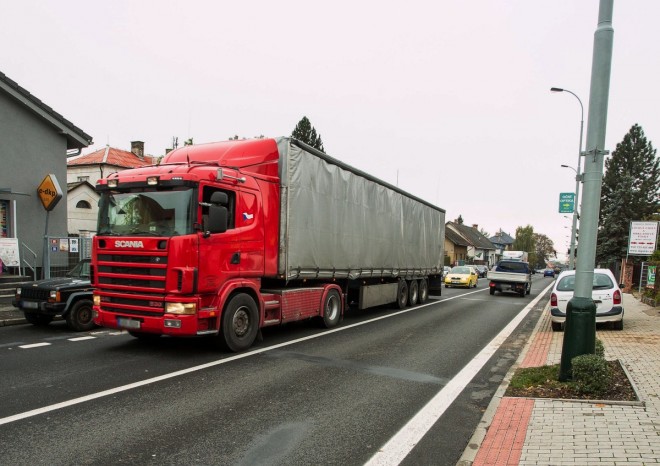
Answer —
(472, 235)
(76, 138)
(455, 238)
(112, 156)
(71, 186)
(501, 238)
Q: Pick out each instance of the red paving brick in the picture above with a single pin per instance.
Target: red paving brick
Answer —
(506, 434)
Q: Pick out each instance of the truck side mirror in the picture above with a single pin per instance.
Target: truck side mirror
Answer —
(217, 221)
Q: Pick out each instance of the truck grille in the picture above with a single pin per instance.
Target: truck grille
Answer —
(132, 283)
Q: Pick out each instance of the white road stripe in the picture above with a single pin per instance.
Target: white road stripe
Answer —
(34, 345)
(82, 338)
(131, 386)
(399, 446)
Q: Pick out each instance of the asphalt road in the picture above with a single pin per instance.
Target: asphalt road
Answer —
(302, 395)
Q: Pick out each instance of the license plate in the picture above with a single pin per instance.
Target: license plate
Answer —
(30, 305)
(128, 323)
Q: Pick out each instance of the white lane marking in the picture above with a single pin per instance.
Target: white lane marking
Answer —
(402, 443)
(131, 386)
(81, 338)
(34, 345)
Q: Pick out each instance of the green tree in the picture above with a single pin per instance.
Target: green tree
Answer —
(305, 132)
(524, 240)
(629, 192)
(545, 249)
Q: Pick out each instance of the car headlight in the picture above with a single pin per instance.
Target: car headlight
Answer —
(180, 308)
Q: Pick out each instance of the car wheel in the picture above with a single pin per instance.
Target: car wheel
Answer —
(40, 320)
(556, 326)
(79, 318)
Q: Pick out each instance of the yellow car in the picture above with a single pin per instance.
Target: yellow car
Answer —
(462, 275)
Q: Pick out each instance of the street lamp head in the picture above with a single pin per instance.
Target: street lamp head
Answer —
(556, 89)
(565, 166)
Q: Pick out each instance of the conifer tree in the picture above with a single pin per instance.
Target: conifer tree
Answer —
(629, 192)
(305, 132)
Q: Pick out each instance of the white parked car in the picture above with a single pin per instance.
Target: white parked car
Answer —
(606, 295)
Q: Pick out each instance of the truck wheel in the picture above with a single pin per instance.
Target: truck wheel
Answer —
(37, 319)
(423, 291)
(492, 291)
(529, 288)
(331, 309)
(240, 323)
(79, 318)
(402, 296)
(413, 292)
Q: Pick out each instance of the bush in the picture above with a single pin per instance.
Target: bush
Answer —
(591, 374)
(600, 349)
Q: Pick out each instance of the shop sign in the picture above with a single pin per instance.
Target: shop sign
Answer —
(49, 192)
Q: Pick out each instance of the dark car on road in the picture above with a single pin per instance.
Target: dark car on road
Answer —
(482, 270)
(549, 273)
(70, 297)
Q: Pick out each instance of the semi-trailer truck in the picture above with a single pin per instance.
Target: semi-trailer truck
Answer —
(226, 238)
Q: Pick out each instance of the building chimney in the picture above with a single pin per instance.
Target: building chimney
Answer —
(475, 226)
(137, 147)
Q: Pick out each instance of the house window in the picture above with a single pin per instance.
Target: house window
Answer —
(83, 178)
(83, 205)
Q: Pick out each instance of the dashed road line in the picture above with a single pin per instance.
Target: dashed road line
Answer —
(82, 338)
(34, 345)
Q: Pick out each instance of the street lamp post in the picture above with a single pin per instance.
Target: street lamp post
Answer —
(578, 178)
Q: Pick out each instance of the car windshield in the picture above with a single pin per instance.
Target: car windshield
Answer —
(464, 270)
(146, 213)
(601, 282)
(81, 270)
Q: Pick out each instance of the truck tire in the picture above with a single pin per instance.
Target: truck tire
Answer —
(423, 291)
(413, 292)
(35, 318)
(240, 323)
(331, 309)
(529, 288)
(492, 291)
(79, 317)
(402, 295)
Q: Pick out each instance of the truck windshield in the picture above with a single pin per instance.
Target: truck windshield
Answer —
(146, 213)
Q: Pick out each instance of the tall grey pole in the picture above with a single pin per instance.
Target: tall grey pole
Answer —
(580, 329)
(578, 179)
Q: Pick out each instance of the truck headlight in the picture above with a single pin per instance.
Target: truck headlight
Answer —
(180, 308)
(96, 299)
(54, 296)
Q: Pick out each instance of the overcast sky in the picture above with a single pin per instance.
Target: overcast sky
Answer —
(449, 99)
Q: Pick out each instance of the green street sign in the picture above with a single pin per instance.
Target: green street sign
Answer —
(566, 203)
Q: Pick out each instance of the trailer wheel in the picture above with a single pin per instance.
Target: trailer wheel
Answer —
(240, 323)
(413, 292)
(331, 309)
(423, 291)
(402, 296)
(79, 318)
(40, 320)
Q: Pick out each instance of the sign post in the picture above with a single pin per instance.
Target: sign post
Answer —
(49, 194)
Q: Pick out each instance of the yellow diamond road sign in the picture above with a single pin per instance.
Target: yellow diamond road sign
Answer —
(49, 192)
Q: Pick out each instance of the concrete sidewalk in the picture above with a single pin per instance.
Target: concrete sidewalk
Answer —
(522, 431)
